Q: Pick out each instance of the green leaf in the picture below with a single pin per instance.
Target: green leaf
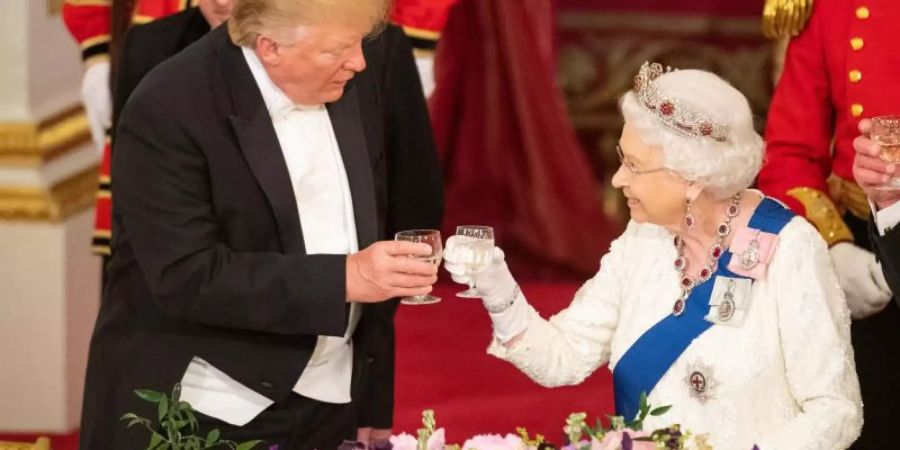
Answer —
(148, 395)
(212, 437)
(248, 445)
(192, 419)
(660, 411)
(163, 408)
(155, 440)
(129, 416)
(164, 446)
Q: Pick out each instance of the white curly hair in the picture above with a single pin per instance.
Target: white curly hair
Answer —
(725, 168)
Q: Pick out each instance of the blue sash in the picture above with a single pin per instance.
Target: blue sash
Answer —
(651, 356)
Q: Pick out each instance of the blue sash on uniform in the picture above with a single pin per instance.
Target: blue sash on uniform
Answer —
(651, 356)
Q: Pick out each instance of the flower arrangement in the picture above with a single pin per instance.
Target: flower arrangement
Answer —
(618, 435)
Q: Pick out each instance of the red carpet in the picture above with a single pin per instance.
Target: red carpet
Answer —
(442, 365)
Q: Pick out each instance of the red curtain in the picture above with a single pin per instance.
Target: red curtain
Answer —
(510, 154)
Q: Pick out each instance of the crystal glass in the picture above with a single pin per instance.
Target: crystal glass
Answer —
(478, 242)
(432, 238)
(886, 133)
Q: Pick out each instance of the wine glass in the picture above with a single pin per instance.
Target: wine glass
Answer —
(886, 133)
(432, 238)
(478, 241)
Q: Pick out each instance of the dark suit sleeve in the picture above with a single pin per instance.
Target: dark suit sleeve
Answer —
(163, 201)
(415, 200)
(126, 79)
(887, 248)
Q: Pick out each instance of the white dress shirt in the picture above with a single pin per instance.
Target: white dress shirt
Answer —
(322, 191)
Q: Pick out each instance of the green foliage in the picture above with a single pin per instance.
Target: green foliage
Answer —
(178, 428)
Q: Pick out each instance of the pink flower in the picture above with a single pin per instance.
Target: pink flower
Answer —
(613, 441)
(403, 441)
(437, 440)
(493, 442)
(406, 441)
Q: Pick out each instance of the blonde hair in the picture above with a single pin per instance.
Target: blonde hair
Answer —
(252, 18)
(725, 167)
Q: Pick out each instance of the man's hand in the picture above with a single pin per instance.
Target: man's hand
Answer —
(870, 171)
(386, 270)
(97, 99)
(373, 437)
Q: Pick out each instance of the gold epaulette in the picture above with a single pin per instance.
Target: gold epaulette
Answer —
(823, 214)
(785, 18)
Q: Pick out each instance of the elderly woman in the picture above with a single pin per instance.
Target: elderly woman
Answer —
(715, 299)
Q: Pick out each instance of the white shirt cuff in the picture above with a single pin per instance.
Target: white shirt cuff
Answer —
(887, 218)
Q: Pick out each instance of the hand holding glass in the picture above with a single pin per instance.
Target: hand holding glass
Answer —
(432, 238)
(886, 133)
(478, 244)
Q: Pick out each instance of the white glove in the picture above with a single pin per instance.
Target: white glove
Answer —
(861, 279)
(496, 283)
(97, 101)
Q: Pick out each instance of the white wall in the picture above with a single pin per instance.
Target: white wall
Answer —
(49, 280)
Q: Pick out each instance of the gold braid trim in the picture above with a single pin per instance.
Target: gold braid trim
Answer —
(849, 197)
(823, 214)
(785, 18)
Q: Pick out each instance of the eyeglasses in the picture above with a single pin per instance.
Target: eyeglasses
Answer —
(630, 166)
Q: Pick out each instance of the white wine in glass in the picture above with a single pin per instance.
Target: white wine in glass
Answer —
(432, 238)
(478, 243)
(886, 133)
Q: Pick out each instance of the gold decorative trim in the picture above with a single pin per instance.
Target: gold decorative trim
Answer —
(68, 197)
(89, 2)
(96, 40)
(421, 33)
(53, 7)
(32, 144)
(423, 53)
(823, 214)
(140, 19)
(659, 23)
(849, 197)
(785, 18)
(101, 250)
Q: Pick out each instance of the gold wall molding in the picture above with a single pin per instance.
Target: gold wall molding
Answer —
(35, 143)
(68, 197)
(54, 7)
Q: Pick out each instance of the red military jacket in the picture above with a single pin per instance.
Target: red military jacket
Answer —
(844, 66)
(89, 22)
(422, 20)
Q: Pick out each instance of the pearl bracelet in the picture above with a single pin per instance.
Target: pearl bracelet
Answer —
(506, 303)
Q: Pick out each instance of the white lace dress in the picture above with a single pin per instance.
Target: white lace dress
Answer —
(784, 379)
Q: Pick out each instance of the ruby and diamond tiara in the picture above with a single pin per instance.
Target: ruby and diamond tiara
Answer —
(678, 116)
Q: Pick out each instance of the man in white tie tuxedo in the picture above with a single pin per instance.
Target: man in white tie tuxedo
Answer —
(251, 194)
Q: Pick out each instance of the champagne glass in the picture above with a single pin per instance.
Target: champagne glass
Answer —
(886, 133)
(432, 238)
(478, 241)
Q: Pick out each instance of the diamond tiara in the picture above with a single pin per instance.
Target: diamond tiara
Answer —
(676, 115)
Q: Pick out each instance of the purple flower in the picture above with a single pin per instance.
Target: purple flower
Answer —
(351, 445)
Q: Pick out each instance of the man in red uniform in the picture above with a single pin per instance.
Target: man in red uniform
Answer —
(423, 21)
(844, 66)
(90, 23)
